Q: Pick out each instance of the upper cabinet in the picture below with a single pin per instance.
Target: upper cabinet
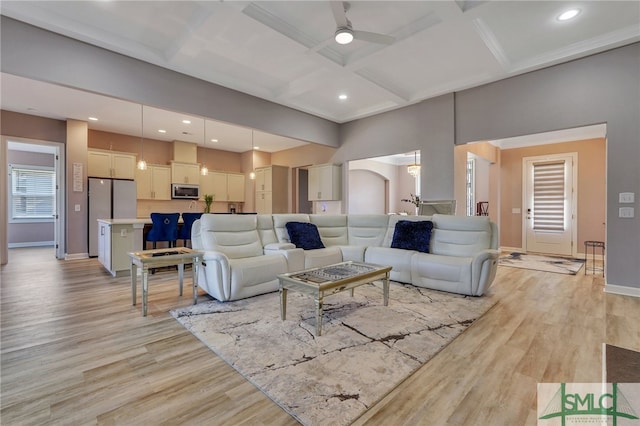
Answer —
(325, 182)
(154, 183)
(185, 173)
(223, 186)
(109, 164)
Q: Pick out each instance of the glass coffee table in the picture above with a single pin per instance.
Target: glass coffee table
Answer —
(328, 280)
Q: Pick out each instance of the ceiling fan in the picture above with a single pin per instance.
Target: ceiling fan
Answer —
(345, 33)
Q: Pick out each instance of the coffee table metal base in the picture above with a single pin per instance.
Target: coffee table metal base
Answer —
(292, 281)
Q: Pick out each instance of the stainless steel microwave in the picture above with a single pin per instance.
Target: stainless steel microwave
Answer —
(179, 190)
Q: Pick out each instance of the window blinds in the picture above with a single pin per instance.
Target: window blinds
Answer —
(548, 196)
(32, 193)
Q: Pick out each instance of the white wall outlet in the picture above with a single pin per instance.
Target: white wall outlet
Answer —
(626, 212)
(627, 197)
(77, 207)
(123, 232)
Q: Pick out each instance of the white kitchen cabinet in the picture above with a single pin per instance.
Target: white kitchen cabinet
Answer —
(325, 182)
(109, 164)
(223, 186)
(236, 187)
(115, 241)
(272, 189)
(185, 173)
(154, 183)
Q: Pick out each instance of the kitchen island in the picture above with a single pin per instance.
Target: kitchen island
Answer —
(116, 238)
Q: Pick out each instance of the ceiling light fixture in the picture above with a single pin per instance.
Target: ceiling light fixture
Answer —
(162, 131)
(342, 96)
(414, 169)
(214, 140)
(186, 121)
(142, 165)
(252, 173)
(93, 119)
(344, 35)
(569, 14)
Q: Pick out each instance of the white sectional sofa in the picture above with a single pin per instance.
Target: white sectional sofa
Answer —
(243, 254)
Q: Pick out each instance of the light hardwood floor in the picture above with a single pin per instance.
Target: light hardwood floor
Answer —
(74, 351)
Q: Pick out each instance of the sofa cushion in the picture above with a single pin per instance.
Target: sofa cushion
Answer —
(460, 235)
(304, 235)
(280, 221)
(332, 228)
(367, 229)
(235, 236)
(410, 235)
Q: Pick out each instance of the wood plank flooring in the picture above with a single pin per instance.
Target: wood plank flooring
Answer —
(75, 351)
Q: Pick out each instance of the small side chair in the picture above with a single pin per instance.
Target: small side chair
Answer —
(184, 233)
(164, 227)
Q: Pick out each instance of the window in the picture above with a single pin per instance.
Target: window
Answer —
(32, 193)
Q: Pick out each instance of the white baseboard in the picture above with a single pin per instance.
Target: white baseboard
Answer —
(76, 256)
(622, 290)
(512, 249)
(32, 244)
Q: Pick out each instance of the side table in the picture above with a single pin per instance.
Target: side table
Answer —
(150, 259)
(594, 245)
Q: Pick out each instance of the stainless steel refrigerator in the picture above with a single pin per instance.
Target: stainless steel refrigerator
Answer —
(109, 199)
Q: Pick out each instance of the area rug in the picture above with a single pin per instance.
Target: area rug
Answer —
(559, 265)
(623, 365)
(366, 349)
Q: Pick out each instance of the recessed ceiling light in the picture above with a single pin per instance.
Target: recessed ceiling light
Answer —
(256, 148)
(569, 14)
(342, 97)
(214, 140)
(186, 121)
(93, 119)
(162, 131)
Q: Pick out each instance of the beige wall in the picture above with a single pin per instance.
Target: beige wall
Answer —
(590, 197)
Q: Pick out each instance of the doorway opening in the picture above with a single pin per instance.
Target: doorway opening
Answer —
(35, 218)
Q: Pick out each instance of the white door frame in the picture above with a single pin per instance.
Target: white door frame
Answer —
(574, 196)
(60, 169)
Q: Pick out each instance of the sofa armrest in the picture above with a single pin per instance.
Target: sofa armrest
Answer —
(294, 256)
(217, 274)
(483, 270)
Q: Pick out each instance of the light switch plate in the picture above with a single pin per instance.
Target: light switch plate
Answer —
(627, 197)
(77, 207)
(626, 212)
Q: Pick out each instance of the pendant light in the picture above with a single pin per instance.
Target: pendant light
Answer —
(142, 165)
(204, 170)
(252, 174)
(414, 169)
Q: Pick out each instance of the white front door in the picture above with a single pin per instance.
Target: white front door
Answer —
(549, 199)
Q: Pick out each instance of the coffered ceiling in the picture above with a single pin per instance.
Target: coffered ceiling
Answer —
(284, 51)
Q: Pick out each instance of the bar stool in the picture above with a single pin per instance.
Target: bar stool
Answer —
(594, 245)
(184, 233)
(164, 227)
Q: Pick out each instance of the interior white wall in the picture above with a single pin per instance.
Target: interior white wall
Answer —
(367, 194)
(603, 88)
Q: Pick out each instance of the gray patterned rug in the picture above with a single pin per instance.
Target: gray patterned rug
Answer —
(560, 265)
(366, 349)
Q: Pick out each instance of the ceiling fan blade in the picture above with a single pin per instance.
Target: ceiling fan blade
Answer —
(339, 14)
(373, 37)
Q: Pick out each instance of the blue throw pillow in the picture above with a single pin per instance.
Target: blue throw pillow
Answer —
(409, 235)
(304, 235)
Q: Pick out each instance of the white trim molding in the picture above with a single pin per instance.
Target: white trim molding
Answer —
(622, 290)
(76, 256)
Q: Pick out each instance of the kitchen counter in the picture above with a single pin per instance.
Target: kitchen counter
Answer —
(116, 238)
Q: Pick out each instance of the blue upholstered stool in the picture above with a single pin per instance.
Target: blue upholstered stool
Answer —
(164, 227)
(184, 233)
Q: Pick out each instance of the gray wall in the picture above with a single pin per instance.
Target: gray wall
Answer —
(427, 126)
(603, 88)
(35, 53)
